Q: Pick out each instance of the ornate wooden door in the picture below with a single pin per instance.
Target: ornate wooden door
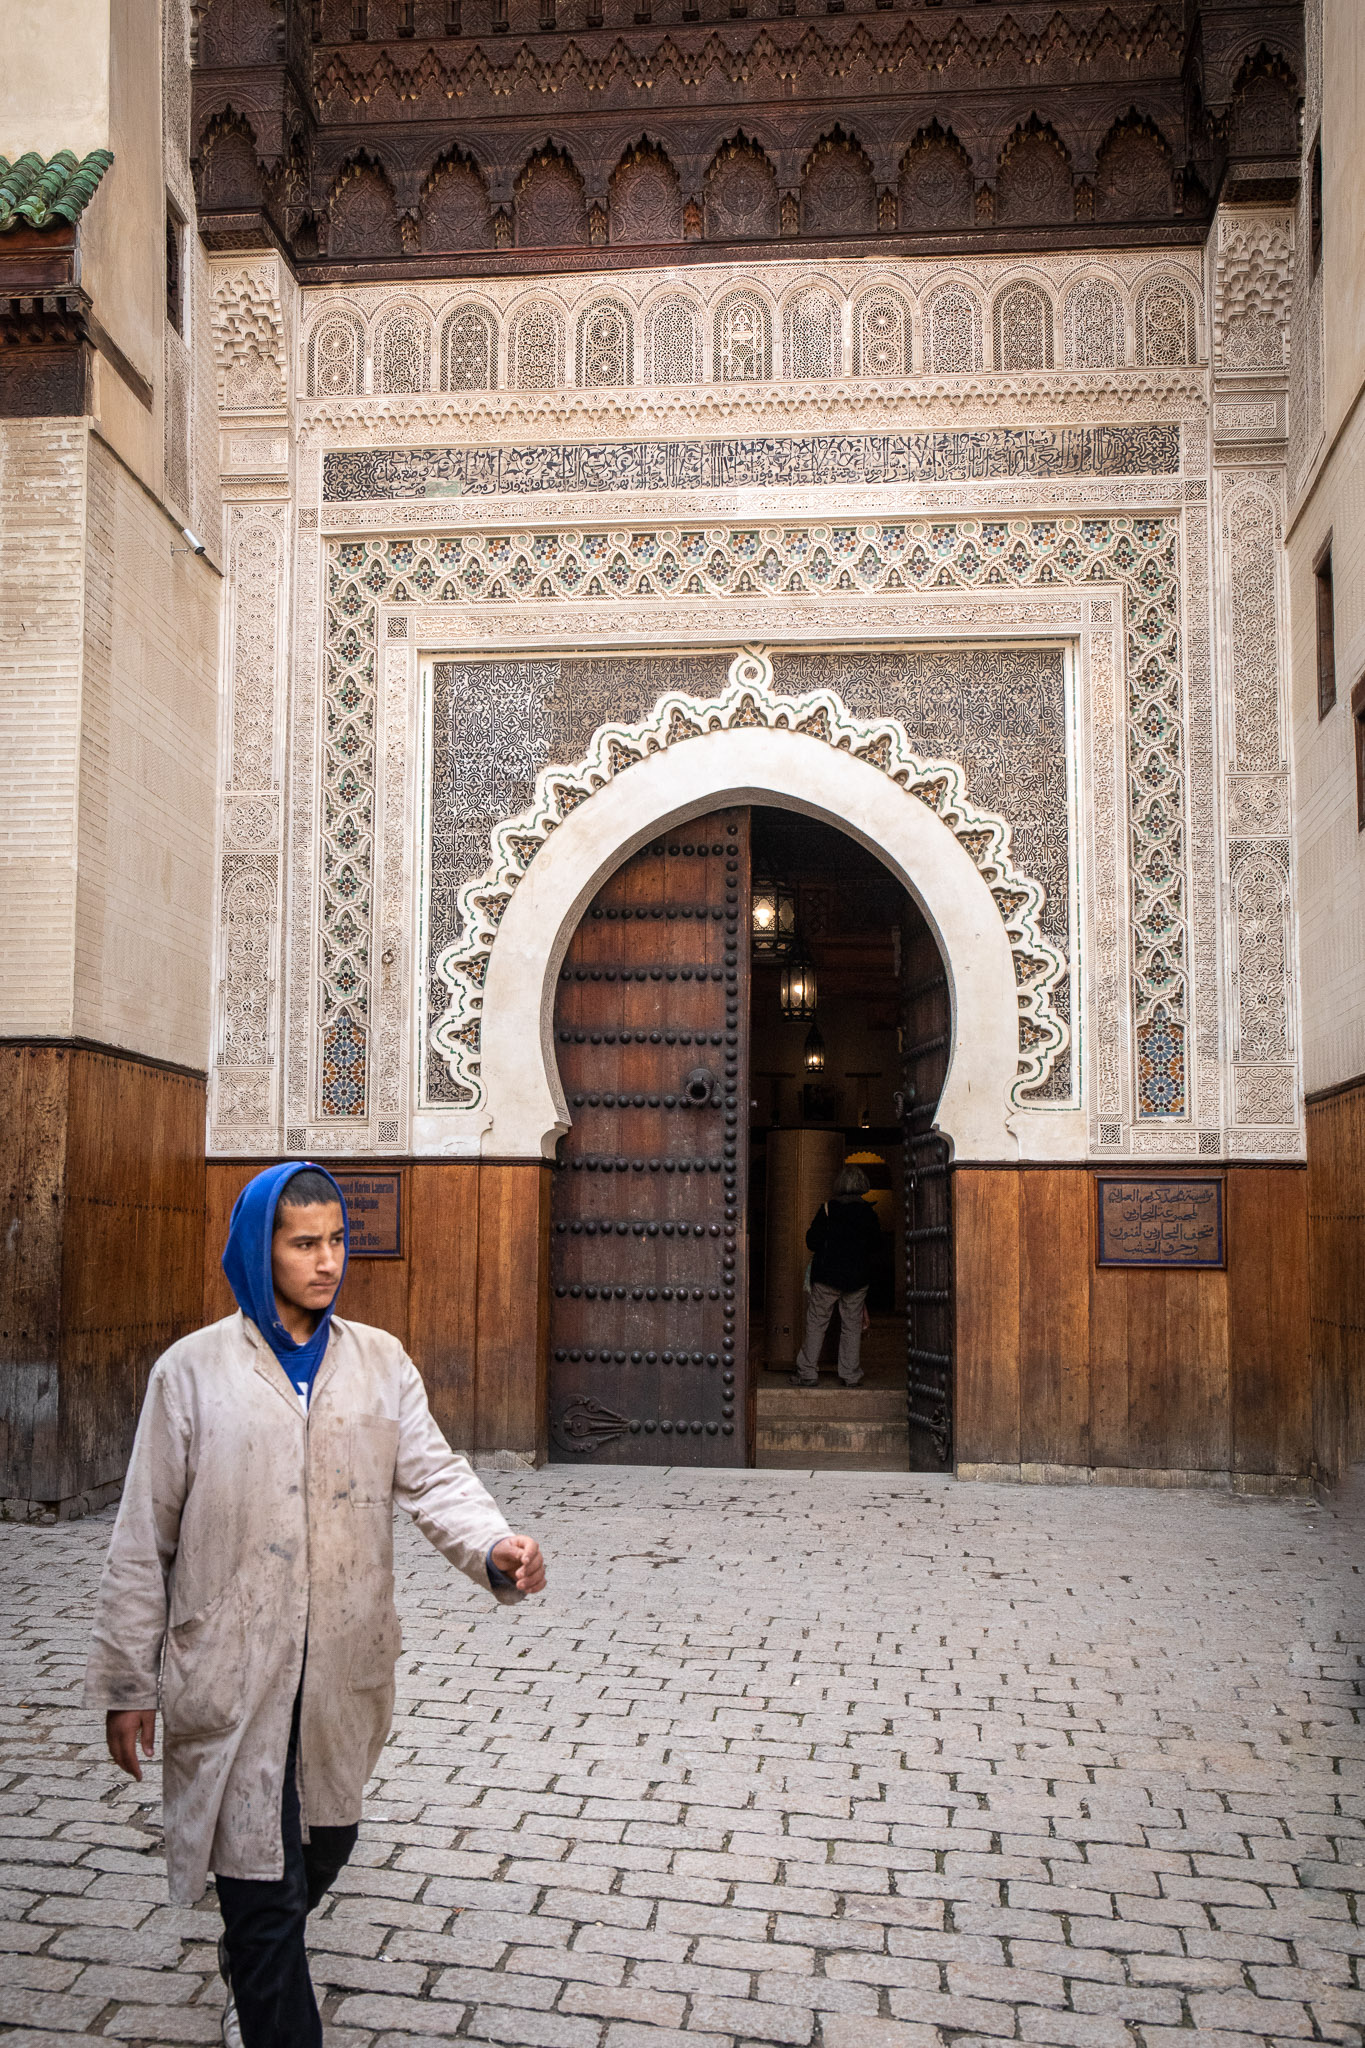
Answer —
(648, 1269)
(927, 1028)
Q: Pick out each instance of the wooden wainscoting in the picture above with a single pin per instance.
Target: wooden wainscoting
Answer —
(100, 1269)
(1336, 1265)
(468, 1296)
(1064, 1364)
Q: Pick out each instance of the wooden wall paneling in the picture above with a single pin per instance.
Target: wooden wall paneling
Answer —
(1054, 1317)
(441, 1233)
(377, 1291)
(1268, 1336)
(33, 1107)
(224, 1181)
(1195, 1435)
(1336, 1253)
(132, 1245)
(513, 1330)
(986, 1225)
(1110, 1409)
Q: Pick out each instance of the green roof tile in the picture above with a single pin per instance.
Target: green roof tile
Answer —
(37, 192)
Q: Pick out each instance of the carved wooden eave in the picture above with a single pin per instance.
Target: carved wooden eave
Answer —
(507, 144)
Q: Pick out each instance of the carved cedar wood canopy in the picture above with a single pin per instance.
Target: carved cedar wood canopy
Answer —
(370, 138)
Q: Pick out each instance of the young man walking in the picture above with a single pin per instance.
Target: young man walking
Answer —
(248, 1591)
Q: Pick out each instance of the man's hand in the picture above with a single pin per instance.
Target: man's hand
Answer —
(519, 1557)
(121, 1732)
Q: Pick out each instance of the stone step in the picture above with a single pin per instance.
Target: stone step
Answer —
(834, 1422)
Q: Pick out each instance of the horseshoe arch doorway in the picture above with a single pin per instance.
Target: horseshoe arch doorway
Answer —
(699, 1132)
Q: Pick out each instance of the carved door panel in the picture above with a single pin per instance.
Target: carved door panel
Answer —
(648, 1264)
(927, 1026)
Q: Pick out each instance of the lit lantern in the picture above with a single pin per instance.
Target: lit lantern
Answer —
(798, 988)
(815, 1050)
(772, 918)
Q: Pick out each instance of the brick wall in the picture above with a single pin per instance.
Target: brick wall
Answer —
(42, 517)
(108, 679)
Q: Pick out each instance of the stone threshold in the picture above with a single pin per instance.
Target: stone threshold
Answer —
(1296, 1483)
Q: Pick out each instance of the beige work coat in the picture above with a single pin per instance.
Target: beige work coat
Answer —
(245, 1527)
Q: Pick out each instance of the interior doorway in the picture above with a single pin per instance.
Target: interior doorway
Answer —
(751, 1002)
(843, 1073)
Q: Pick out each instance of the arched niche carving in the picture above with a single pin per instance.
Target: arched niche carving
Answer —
(881, 334)
(741, 194)
(1165, 324)
(674, 352)
(838, 195)
(1023, 328)
(230, 178)
(811, 341)
(336, 354)
(743, 338)
(935, 182)
(605, 353)
(535, 348)
(1133, 178)
(455, 213)
(550, 209)
(469, 350)
(361, 215)
(402, 350)
(1264, 119)
(1093, 326)
(1033, 186)
(644, 202)
(952, 330)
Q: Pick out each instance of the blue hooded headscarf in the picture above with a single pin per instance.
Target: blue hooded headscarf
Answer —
(246, 1261)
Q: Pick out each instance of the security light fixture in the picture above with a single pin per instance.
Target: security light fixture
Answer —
(815, 1050)
(772, 918)
(799, 992)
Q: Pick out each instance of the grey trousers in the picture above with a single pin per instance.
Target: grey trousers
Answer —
(822, 1303)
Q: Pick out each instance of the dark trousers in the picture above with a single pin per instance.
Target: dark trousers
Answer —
(264, 1920)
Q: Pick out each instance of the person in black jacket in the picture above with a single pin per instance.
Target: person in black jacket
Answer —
(844, 1241)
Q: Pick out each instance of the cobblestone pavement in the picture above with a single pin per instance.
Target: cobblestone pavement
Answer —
(853, 1761)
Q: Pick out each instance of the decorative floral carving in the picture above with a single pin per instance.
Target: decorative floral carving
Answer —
(1133, 173)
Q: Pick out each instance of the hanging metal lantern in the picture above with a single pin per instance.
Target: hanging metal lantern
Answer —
(772, 918)
(799, 993)
(815, 1050)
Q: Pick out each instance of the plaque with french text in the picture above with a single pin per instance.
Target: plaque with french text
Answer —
(1150, 1221)
(374, 1213)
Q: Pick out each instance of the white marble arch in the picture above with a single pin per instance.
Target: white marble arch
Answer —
(524, 1111)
